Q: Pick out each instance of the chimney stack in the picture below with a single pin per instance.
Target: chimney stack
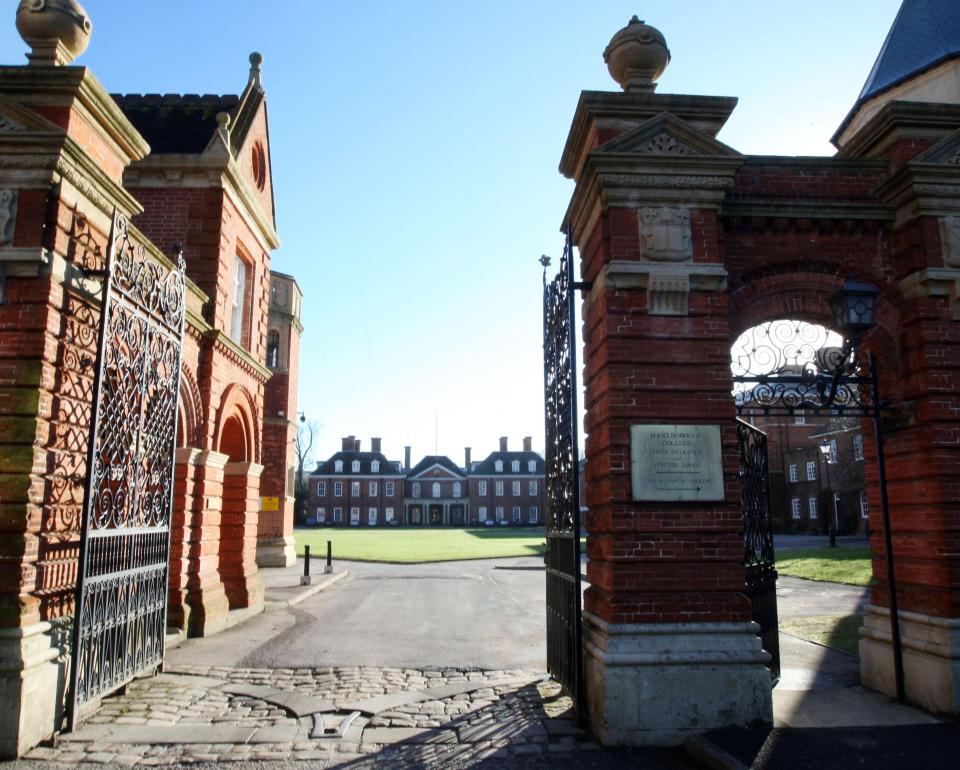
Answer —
(375, 445)
(346, 444)
(406, 458)
(466, 459)
(528, 443)
(503, 443)
(356, 445)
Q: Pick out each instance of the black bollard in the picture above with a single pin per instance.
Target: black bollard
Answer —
(305, 580)
(329, 568)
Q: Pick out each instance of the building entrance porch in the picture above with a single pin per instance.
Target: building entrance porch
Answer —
(445, 513)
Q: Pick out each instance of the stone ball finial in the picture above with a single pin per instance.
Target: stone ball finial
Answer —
(637, 55)
(256, 63)
(57, 31)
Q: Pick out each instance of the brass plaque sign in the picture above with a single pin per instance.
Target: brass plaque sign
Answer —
(676, 462)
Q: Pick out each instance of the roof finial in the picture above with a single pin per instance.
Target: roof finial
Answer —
(223, 127)
(57, 31)
(637, 55)
(256, 61)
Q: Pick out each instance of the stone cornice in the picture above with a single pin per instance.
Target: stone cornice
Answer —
(222, 343)
(53, 86)
(772, 209)
(707, 113)
(923, 189)
(667, 284)
(634, 181)
(898, 120)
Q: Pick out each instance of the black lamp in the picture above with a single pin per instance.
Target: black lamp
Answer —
(853, 308)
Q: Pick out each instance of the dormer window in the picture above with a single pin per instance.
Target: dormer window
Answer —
(338, 466)
(532, 466)
(375, 466)
(498, 466)
(516, 466)
(356, 466)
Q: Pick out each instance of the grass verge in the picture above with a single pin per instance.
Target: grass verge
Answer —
(422, 544)
(839, 631)
(837, 565)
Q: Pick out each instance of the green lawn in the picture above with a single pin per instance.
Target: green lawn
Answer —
(837, 565)
(422, 544)
(840, 631)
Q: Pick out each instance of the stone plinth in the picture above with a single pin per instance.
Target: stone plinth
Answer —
(238, 534)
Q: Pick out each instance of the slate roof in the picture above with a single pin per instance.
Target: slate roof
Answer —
(175, 123)
(488, 467)
(327, 468)
(431, 460)
(924, 34)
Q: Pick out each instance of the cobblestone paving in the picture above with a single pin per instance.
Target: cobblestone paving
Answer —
(329, 716)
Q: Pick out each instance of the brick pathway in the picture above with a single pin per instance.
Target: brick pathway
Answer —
(326, 715)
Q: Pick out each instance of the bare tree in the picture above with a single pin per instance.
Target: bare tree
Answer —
(307, 431)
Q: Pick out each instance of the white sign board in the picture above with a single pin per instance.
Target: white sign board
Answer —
(676, 462)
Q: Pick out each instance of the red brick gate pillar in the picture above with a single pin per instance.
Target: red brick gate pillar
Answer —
(238, 541)
(669, 647)
(205, 593)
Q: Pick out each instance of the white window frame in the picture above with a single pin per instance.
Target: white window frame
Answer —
(534, 513)
(435, 489)
(499, 513)
(811, 470)
(498, 466)
(388, 514)
(238, 308)
(482, 513)
(532, 487)
(321, 514)
(482, 488)
(499, 489)
(516, 466)
(355, 488)
(864, 505)
(516, 489)
(795, 507)
(532, 466)
(794, 472)
(371, 517)
(517, 514)
(812, 507)
(834, 452)
(338, 466)
(457, 489)
(799, 418)
(338, 489)
(388, 488)
(372, 489)
(355, 466)
(375, 466)
(354, 515)
(321, 489)
(416, 489)
(337, 515)
(858, 446)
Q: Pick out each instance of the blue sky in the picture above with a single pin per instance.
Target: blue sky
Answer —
(415, 150)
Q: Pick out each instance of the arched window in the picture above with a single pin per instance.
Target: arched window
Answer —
(498, 465)
(436, 489)
(273, 348)
(456, 489)
(416, 489)
(356, 466)
(516, 466)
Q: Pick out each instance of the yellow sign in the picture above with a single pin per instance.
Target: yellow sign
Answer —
(269, 503)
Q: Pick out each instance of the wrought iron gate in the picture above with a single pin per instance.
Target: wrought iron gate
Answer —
(121, 600)
(758, 557)
(564, 655)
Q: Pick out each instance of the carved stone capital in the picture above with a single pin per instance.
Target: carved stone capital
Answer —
(668, 286)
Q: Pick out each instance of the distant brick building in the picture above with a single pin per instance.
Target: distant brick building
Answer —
(354, 488)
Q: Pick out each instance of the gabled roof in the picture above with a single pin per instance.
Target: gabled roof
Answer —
(175, 123)
(328, 468)
(440, 460)
(924, 34)
(488, 467)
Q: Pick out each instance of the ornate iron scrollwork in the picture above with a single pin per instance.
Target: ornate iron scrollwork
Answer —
(562, 495)
(121, 604)
(780, 367)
